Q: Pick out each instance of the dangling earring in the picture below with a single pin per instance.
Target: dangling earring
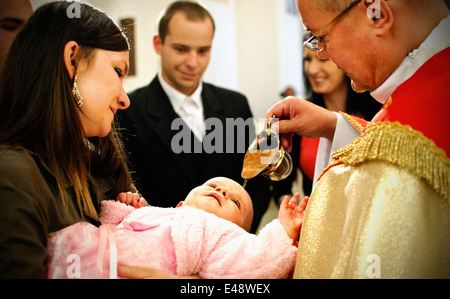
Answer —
(76, 93)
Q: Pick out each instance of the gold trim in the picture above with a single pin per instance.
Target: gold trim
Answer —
(401, 145)
(354, 122)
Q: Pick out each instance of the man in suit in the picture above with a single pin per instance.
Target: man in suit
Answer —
(177, 95)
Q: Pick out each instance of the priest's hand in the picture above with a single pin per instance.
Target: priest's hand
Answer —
(297, 116)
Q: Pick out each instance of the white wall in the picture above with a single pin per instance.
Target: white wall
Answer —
(290, 41)
(256, 49)
(269, 47)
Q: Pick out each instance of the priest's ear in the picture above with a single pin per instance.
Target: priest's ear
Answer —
(180, 204)
(379, 14)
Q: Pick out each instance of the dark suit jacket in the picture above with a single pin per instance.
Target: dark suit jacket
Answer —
(165, 178)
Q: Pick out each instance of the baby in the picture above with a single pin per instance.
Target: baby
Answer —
(206, 235)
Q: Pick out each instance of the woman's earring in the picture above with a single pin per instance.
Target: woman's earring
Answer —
(76, 93)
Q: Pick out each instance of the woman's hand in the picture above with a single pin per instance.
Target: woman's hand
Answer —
(130, 272)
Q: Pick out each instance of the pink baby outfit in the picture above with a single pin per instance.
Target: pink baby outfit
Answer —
(183, 241)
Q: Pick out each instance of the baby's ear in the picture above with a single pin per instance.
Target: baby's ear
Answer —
(180, 204)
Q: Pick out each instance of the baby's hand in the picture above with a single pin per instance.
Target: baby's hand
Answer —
(291, 216)
(131, 199)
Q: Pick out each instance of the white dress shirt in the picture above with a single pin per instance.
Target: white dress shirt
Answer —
(189, 108)
(345, 133)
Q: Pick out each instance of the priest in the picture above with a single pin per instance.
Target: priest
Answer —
(381, 204)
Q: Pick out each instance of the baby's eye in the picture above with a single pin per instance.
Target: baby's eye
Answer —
(212, 185)
(238, 204)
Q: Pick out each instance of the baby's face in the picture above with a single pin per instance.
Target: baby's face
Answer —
(224, 198)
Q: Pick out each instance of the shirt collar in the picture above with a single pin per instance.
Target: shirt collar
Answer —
(438, 40)
(177, 98)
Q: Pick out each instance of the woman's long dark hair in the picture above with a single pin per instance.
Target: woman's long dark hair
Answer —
(38, 111)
